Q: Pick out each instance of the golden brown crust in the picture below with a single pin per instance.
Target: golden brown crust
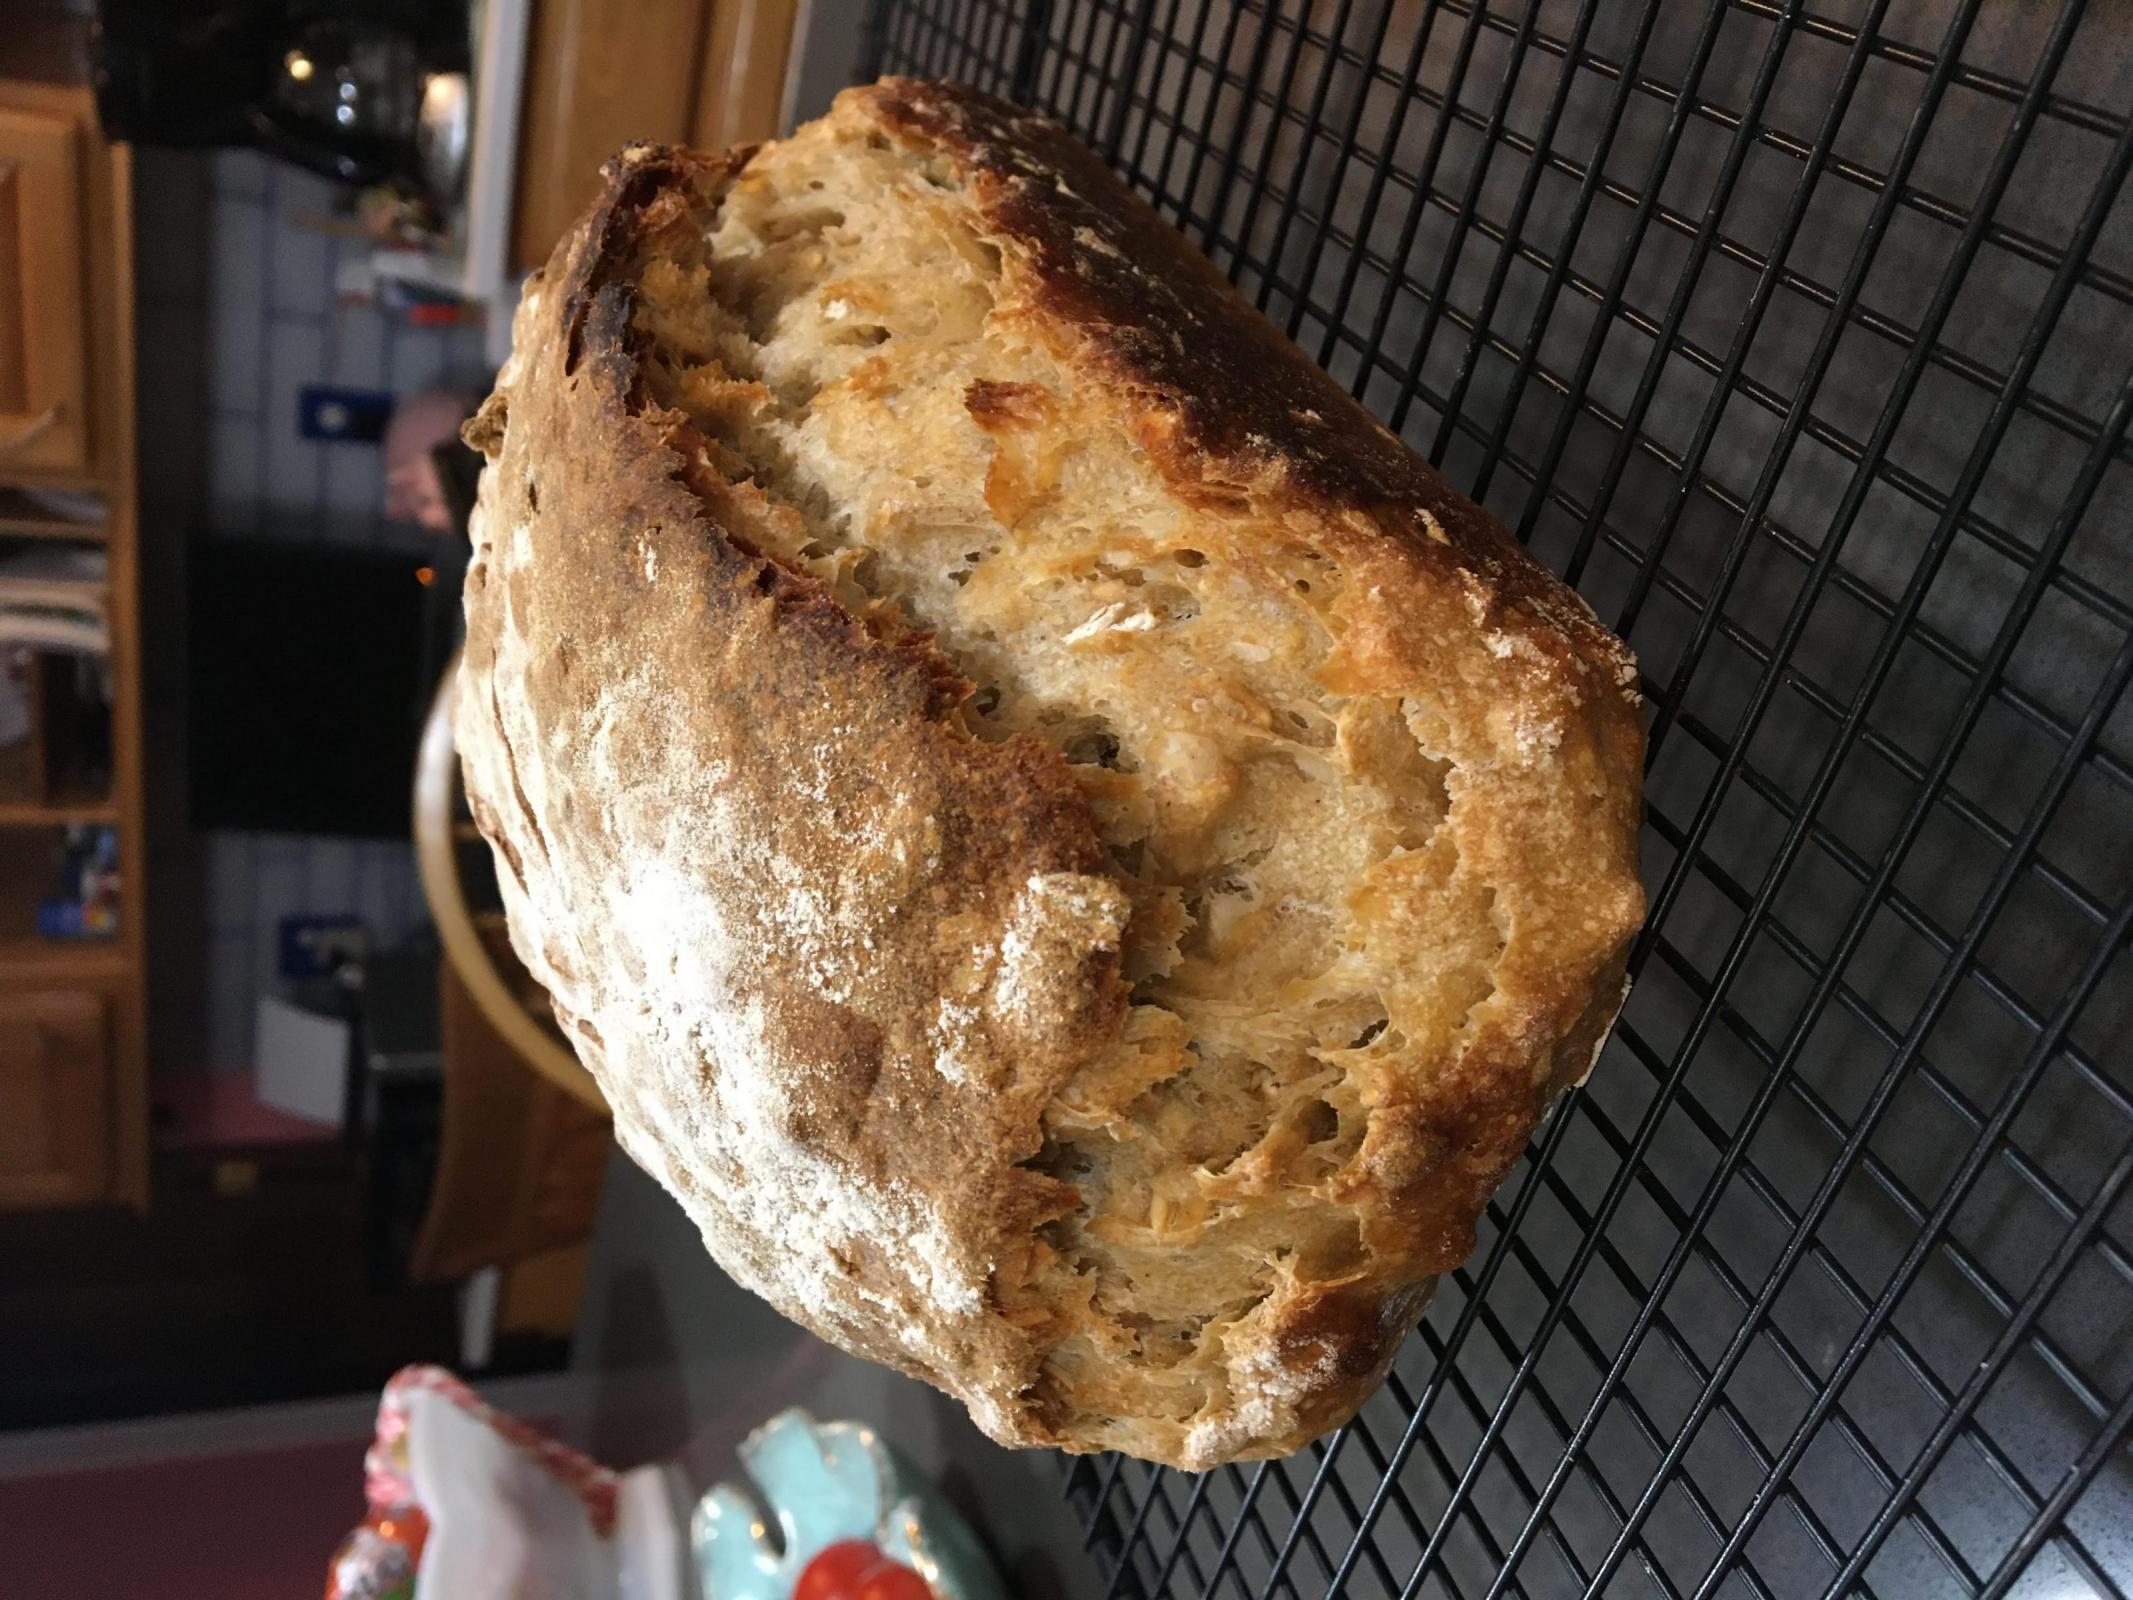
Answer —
(1228, 404)
(1230, 400)
(750, 848)
(625, 643)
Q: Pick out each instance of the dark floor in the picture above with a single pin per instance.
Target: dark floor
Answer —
(212, 1299)
(167, 1528)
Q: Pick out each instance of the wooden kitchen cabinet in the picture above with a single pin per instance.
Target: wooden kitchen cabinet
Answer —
(44, 358)
(709, 73)
(73, 1029)
(55, 1098)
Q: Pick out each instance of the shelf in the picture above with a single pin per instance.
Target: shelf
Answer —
(60, 771)
(56, 813)
(44, 514)
(31, 528)
(32, 866)
(89, 958)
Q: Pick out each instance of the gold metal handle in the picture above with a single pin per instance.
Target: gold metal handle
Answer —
(436, 787)
(38, 426)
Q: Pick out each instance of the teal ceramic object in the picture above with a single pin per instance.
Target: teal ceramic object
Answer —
(825, 1482)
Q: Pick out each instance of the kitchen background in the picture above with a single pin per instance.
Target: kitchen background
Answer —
(238, 260)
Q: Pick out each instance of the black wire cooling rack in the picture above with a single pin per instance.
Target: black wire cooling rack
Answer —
(1800, 341)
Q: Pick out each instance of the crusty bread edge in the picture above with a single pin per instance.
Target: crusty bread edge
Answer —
(1445, 602)
(1440, 590)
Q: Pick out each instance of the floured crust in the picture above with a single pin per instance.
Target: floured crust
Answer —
(849, 974)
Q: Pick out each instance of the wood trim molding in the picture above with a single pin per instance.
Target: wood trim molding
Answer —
(598, 77)
(740, 90)
(436, 796)
(705, 72)
(116, 969)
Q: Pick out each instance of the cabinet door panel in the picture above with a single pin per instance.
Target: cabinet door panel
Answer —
(55, 1071)
(44, 378)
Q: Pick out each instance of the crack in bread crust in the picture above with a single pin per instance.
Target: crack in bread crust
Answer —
(1074, 853)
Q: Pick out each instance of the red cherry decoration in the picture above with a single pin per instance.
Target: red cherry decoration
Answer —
(893, 1581)
(835, 1571)
(853, 1569)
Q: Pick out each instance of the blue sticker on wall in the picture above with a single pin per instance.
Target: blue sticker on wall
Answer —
(342, 416)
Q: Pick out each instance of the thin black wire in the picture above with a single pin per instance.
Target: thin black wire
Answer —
(1951, 1426)
(2110, 1439)
(1262, 167)
(2097, 275)
(1111, 83)
(1270, 93)
(1002, 47)
(1307, 140)
(1647, 1129)
(1242, 1522)
(1500, 274)
(1345, 146)
(2069, 764)
(1204, 141)
(1056, 61)
(1818, 362)
(1133, 1534)
(2117, 612)
(1463, 217)
(1233, 141)
(1100, 1513)
(1157, 1487)
(1951, 744)
(2028, 248)
(1440, 1374)
(1195, 1500)
(1914, 1211)
(1653, 1434)
(1795, 1361)
(1122, 104)
(1410, 224)
(1164, 39)
(1226, 1556)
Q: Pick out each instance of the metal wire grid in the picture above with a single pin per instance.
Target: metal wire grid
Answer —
(1800, 343)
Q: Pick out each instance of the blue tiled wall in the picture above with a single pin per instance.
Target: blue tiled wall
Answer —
(260, 299)
(274, 327)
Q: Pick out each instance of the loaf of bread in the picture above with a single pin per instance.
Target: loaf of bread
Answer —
(1071, 851)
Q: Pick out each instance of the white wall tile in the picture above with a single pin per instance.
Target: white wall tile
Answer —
(236, 326)
(355, 488)
(300, 266)
(271, 328)
(233, 478)
(418, 359)
(330, 889)
(358, 347)
(239, 172)
(296, 356)
(279, 889)
(231, 998)
(227, 870)
(391, 898)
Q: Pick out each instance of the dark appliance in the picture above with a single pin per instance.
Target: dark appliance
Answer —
(311, 666)
(347, 89)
